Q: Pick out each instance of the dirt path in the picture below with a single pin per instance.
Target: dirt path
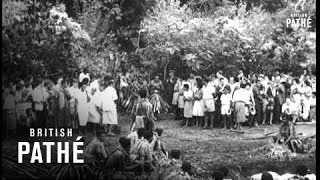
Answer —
(208, 149)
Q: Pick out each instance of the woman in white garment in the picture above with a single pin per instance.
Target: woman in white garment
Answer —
(82, 98)
(109, 106)
(94, 107)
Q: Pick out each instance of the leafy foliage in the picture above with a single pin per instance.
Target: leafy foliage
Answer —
(253, 40)
(200, 34)
(41, 40)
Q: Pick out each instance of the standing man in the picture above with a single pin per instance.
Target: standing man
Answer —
(280, 99)
(169, 89)
(239, 101)
(143, 114)
(258, 102)
(209, 103)
(72, 103)
(63, 99)
(40, 96)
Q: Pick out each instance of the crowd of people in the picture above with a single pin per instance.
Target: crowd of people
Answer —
(215, 100)
(92, 102)
(209, 101)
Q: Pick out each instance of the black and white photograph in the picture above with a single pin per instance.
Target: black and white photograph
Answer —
(158, 89)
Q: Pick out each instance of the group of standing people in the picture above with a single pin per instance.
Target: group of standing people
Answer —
(256, 99)
(68, 103)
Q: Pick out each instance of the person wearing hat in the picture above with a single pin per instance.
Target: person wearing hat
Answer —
(109, 106)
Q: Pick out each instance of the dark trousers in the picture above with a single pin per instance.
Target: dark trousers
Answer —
(276, 110)
(41, 119)
(176, 111)
(259, 114)
(226, 121)
(218, 116)
(179, 114)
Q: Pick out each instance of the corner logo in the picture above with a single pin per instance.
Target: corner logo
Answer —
(301, 3)
(299, 19)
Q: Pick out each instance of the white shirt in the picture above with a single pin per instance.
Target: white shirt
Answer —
(241, 95)
(226, 99)
(39, 94)
(94, 84)
(81, 97)
(73, 91)
(208, 90)
(233, 86)
(96, 99)
(188, 94)
(82, 76)
(109, 95)
(313, 101)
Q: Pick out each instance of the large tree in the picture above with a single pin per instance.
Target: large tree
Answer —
(231, 36)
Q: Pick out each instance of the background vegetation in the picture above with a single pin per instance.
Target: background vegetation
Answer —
(55, 37)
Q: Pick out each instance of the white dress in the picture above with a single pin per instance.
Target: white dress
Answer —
(198, 106)
(181, 91)
(94, 115)
(225, 103)
(188, 105)
(109, 107)
(82, 107)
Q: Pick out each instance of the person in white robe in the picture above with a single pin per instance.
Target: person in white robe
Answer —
(83, 99)
(109, 107)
